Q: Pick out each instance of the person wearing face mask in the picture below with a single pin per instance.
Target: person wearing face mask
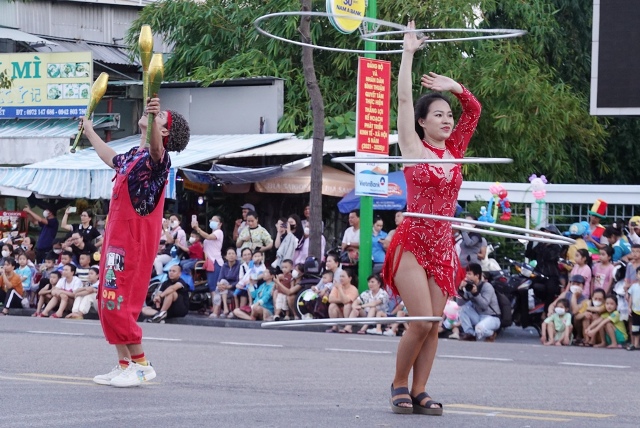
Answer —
(7, 251)
(574, 294)
(557, 327)
(49, 224)
(285, 242)
(173, 236)
(195, 251)
(589, 311)
(212, 249)
(27, 249)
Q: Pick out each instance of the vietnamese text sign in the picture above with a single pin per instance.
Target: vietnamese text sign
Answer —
(46, 85)
(352, 11)
(372, 125)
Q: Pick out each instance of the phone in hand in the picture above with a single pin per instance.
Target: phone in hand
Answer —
(73, 209)
(194, 218)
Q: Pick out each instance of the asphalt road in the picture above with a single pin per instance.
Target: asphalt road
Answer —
(210, 376)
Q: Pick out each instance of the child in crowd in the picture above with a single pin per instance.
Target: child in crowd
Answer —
(323, 288)
(46, 268)
(240, 295)
(284, 279)
(82, 271)
(65, 258)
(86, 296)
(582, 266)
(26, 276)
(44, 294)
(633, 297)
(62, 294)
(557, 328)
(262, 306)
(588, 312)
(603, 271)
(451, 320)
(371, 303)
(632, 266)
(609, 329)
(195, 251)
(574, 294)
(399, 311)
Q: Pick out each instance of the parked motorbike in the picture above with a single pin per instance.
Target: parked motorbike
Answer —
(528, 309)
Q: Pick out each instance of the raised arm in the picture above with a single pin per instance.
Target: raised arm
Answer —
(65, 218)
(105, 152)
(408, 139)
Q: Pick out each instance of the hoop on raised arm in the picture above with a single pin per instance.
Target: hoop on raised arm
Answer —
(372, 36)
(400, 159)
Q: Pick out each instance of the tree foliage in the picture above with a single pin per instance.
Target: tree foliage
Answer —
(533, 89)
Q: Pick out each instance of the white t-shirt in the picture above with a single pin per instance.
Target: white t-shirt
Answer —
(634, 292)
(351, 235)
(213, 247)
(69, 286)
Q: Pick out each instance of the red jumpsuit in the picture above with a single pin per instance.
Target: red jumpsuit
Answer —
(433, 189)
(129, 248)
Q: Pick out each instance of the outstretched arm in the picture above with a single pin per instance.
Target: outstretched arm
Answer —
(105, 152)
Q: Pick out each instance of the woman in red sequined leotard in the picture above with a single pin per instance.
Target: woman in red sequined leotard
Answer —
(421, 260)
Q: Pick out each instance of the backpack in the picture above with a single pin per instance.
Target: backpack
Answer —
(504, 303)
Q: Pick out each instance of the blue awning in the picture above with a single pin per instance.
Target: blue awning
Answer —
(84, 175)
(226, 174)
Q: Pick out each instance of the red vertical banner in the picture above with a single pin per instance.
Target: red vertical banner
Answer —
(372, 125)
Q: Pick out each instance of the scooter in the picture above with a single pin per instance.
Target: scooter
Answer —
(528, 309)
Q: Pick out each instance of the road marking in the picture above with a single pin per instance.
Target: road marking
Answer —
(607, 366)
(500, 415)
(165, 339)
(26, 379)
(357, 339)
(362, 351)
(466, 357)
(81, 322)
(56, 332)
(534, 411)
(265, 345)
(43, 375)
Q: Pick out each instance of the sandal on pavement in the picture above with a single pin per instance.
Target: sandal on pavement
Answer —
(631, 348)
(395, 404)
(426, 409)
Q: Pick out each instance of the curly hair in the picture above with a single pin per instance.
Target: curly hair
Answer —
(178, 133)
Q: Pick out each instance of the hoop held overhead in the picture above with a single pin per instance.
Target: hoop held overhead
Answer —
(565, 240)
(509, 235)
(493, 34)
(341, 321)
(400, 159)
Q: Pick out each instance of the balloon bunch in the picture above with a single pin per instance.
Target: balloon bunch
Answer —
(538, 191)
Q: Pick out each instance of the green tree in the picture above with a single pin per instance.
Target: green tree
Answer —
(531, 110)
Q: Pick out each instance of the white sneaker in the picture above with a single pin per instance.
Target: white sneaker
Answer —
(134, 375)
(389, 333)
(105, 379)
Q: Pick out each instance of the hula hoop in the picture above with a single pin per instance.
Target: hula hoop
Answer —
(509, 235)
(400, 159)
(368, 20)
(552, 236)
(494, 34)
(347, 321)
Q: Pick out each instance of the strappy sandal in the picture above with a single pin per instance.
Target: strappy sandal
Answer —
(395, 404)
(426, 409)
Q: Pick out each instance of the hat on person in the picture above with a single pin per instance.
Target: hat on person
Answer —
(578, 229)
(551, 229)
(577, 278)
(249, 207)
(599, 209)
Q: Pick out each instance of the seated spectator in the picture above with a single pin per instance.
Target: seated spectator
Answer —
(227, 280)
(399, 217)
(172, 301)
(82, 271)
(286, 242)
(262, 298)
(556, 329)
(45, 271)
(240, 296)
(633, 298)
(292, 292)
(621, 248)
(479, 309)
(26, 276)
(77, 246)
(172, 234)
(7, 251)
(377, 245)
(66, 258)
(316, 302)
(283, 280)
(62, 294)
(351, 237)
(401, 311)
(341, 298)
(252, 277)
(86, 296)
(587, 314)
(609, 329)
(254, 236)
(11, 291)
(603, 271)
(574, 295)
(45, 292)
(371, 303)
(194, 250)
(27, 246)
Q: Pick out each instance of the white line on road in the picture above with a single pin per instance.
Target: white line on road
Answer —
(357, 339)
(56, 332)
(266, 345)
(165, 339)
(76, 322)
(607, 366)
(362, 351)
(466, 357)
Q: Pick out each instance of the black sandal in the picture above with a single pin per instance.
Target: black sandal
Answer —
(426, 409)
(395, 404)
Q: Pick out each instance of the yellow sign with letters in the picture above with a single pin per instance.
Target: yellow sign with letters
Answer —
(352, 10)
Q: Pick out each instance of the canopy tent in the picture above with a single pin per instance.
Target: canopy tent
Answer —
(84, 175)
(295, 146)
(334, 182)
(226, 174)
(396, 200)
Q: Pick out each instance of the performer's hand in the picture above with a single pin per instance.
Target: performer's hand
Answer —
(153, 106)
(411, 41)
(440, 83)
(86, 123)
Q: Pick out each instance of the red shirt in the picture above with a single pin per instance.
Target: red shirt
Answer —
(196, 251)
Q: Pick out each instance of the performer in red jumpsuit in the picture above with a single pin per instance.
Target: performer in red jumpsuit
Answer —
(421, 262)
(131, 237)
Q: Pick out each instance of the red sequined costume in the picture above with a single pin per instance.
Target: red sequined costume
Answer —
(433, 189)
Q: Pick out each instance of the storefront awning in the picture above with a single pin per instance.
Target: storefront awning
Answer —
(84, 175)
(295, 146)
(334, 182)
(102, 52)
(21, 36)
(226, 174)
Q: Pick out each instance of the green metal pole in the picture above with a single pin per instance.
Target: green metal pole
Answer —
(366, 202)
